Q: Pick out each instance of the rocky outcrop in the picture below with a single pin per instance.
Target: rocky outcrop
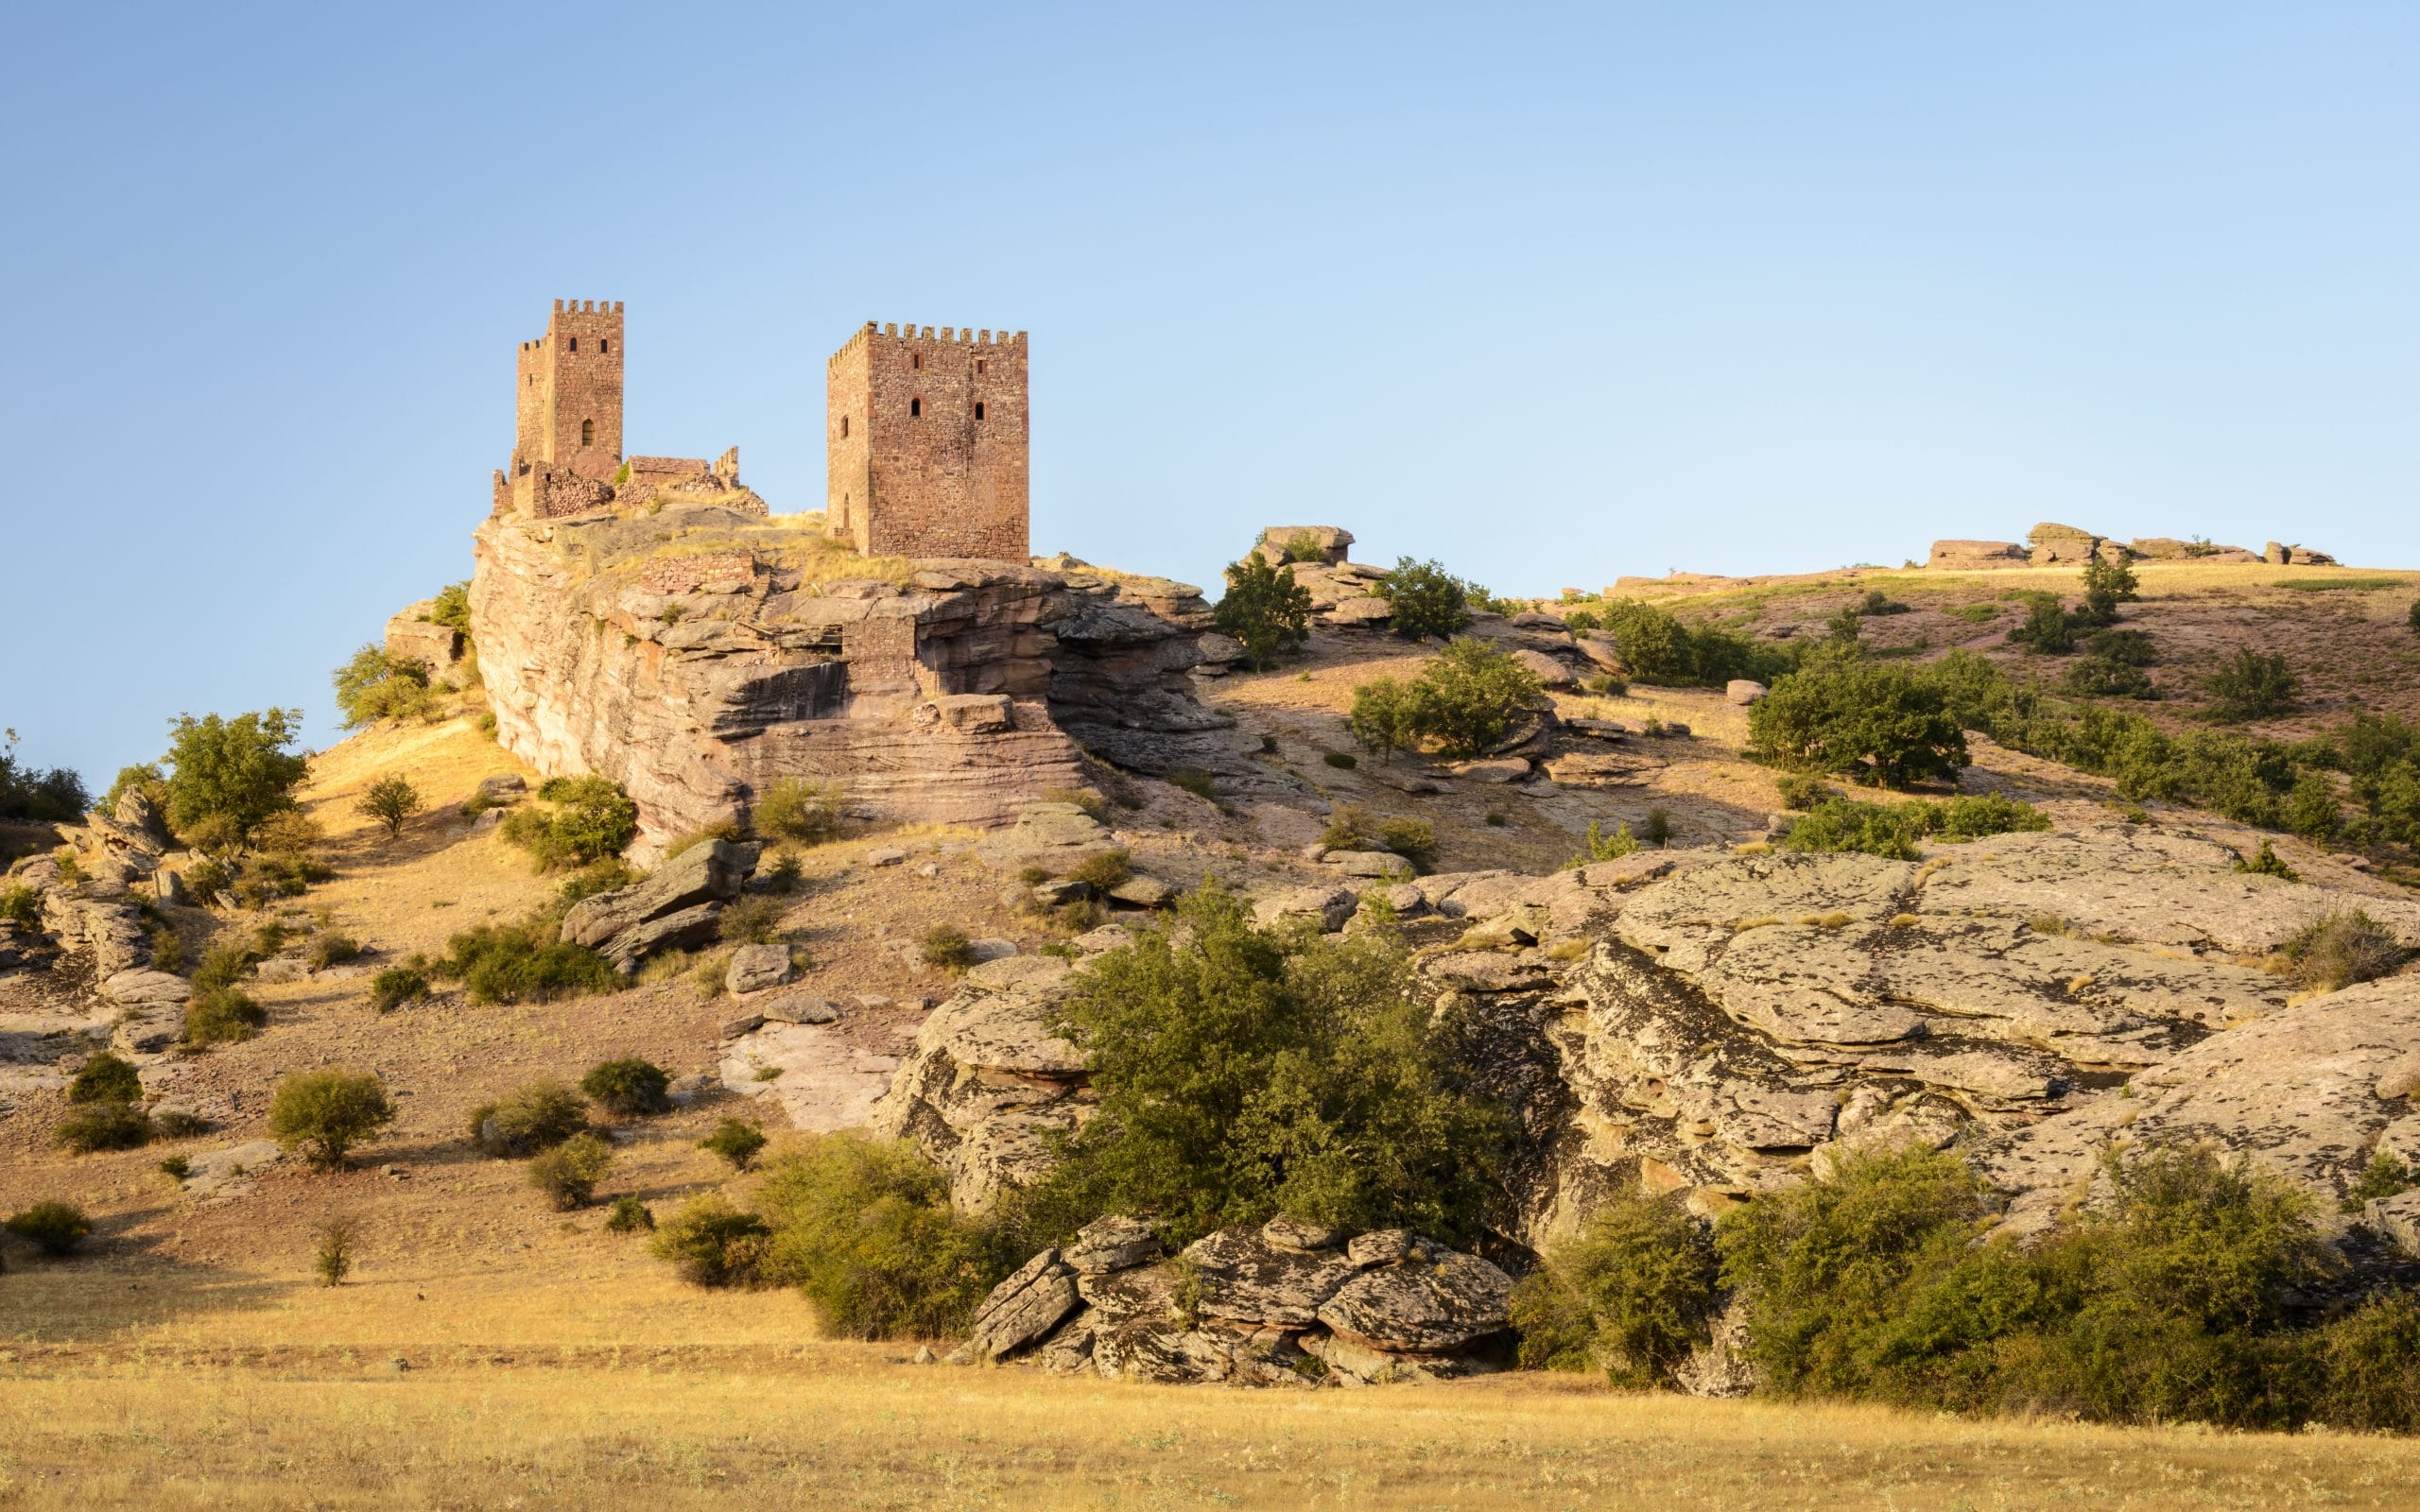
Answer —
(411, 636)
(1283, 1304)
(675, 907)
(695, 655)
(1975, 556)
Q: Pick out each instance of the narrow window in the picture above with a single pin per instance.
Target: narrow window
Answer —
(844, 427)
(978, 410)
(574, 343)
(603, 345)
(588, 433)
(916, 360)
(978, 365)
(915, 408)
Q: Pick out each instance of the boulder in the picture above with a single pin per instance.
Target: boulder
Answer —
(678, 906)
(140, 818)
(1025, 1307)
(1971, 556)
(756, 967)
(1602, 768)
(1243, 1277)
(501, 789)
(1330, 906)
(1551, 672)
(140, 987)
(1293, 1233)
(798, 1007)
(1367, 611)
(1140, 891)
(1325, 544)
(412, 637)
(1743, 690)
(1499, 770)
(1366, 863)
(1433, 1302)
(1111, 1243)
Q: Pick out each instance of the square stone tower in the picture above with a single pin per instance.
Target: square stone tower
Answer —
(927, 437)
(568, 392)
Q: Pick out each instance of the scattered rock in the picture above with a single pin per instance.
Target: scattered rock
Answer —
(885, 856)
(1743, 690)
(756, 968)
(678, 906)
(1023, 1308)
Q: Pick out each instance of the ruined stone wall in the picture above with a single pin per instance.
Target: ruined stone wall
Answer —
(568, 390)
(929, 437)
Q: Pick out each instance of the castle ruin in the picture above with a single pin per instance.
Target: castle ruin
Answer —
(927, 439)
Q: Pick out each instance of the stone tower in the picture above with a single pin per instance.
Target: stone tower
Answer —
(568, 392)
(927, 437)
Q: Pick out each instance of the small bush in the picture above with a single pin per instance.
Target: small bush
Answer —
(1348, 828)
(785, 872)
(524, 962)
(1412, 839)
(2095, 677)
(334, 1239)
(755, 920)
(607, 875)
(1630, 1297)
(2048, 629)
(798, 808)
(223, 1016)
(389, 801)
(1598, 846)
(103, 1126)
(1194, 781)
(207, 878)
(2384, 1176)
(1975, 816)
(592, 818)
(2340, 948)
(374, 686)
(2266, 862)
(1467, 701)
(630, 1088)
(324, 1114)
(2249, 685)
(52, 1227)
(104, 1078)
(20, 905)
(737, 1140)
(711, 1243)
(1847, 715)
(1423, 600)
(947, 947)
(1658, 829)
(629, 1216)
(729, 830)
(569, 1174)
(176, 1123)
(1890, 830)
(332, 946)
(536, 1116)
(1799, 791)
(865, 1228)
(396, 985)
(176, 1167)
(1265, 609)
(2106, 584)
(1104, 870)
(1343, 761)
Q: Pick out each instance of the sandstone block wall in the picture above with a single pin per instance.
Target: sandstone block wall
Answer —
(927, 439)
(567, 391)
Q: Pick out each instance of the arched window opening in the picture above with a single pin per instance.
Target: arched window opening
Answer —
(916, 360)
(574, 343)
(844, 427)
(588, 433)
(978, 367)
(603, 345)
(915, 409)
(978, 410)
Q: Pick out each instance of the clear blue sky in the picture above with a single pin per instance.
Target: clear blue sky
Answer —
(1550, 294)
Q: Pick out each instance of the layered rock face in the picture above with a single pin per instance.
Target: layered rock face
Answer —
(698, 655)
(1725, 1025)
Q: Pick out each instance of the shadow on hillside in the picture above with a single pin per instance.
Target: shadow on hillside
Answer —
(118, 1283)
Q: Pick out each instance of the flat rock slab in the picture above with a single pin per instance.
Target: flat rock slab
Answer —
(1435, 1301)
(147, 988)
(227, 1172)
(1246, 1279)
(826, 1083)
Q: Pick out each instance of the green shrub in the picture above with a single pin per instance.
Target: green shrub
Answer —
(629, 1216)
(374, 686)
(569, 1174)
(2048, 630)
(797, 807)
(389, 801)
(755, 920)
(947, 947)
(1348, 828)
(737, 1140)
(104, 1078)
(2340, 948)
(727, 830)
(1658, 648)
(52, 1227)
(1104, 870)
(1195, 781)
(1975, 816)
(1847, 715)
(176, 1167)
(591, 818)
(713, 1243)
(332, 946)
(2127, 647)
(222, 1015)
(865, 1228)
(324, 1114)
(786, 873)
(2095, 676)
(1343, 761)
(1470, 698)
(535, 1116)
(1265, 609)
(2311, 810)
(1877, 602)
(1840, 824)
(2250, 685)
(523, 963)
(206, 879)
(2106, 584)
(2366, 1368)
(1423, 600)
(228, 777)
(1799, 791)
(2266, 862)
(334, 1239)
(1412, 839)
(95, 1127)
(1632, 1296)
(1384, 718)
(20, 905)
(607, 875)
(1242, 1072)
(2384, 1176)
(57, 795)
(1598, 846)
(396, 985)
(629, 1088)
(1658, 829)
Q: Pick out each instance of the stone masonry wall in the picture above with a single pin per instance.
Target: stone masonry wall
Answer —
(571, 375)
(928, 439)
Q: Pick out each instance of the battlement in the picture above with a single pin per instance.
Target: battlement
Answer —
(568, 390)
(957, 336)
(588, 306)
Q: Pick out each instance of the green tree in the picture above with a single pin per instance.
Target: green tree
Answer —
(374, 686)
(1385, 716)
(1631, 1295)
(2106, 585)
(322, 1114)
(2048, 630)
(1873, 720)
(1470, 697)
(1423, 600)
(452, 608)
(591, 818)
(390, 800)
(56, 796)
(865, 1228)
(1243, 1073)
(2250, 685)
(233, 775)
(1264, 608)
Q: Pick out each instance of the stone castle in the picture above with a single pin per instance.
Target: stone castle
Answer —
(927, 437)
